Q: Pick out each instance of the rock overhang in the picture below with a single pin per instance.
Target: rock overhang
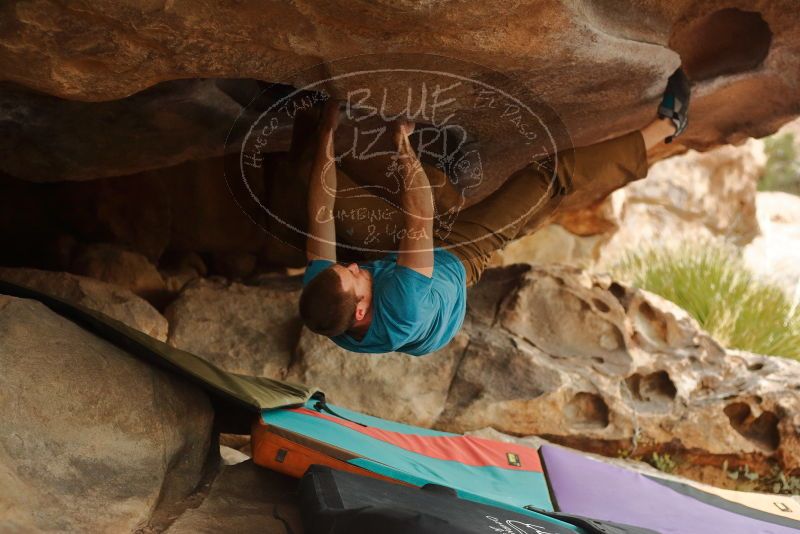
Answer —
(121, 90)
(600, 66)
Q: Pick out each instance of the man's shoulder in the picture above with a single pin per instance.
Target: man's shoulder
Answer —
(449, 264)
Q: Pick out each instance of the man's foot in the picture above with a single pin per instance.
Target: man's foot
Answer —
(675, 103)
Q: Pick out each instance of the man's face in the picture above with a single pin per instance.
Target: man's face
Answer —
(356, 279)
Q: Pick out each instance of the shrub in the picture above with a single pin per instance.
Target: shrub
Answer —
(711, 282)
(782, 171)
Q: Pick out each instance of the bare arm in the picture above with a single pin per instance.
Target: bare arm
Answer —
(321, 241)
(416, 200)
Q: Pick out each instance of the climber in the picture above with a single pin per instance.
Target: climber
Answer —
(414, 300)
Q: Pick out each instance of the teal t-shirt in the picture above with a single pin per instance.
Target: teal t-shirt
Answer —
(411, 313)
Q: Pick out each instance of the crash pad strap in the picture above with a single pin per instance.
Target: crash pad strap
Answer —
(251, 393)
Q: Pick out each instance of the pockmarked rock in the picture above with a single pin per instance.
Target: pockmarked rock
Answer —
(92, 440)
(115, 301)
(585, 361)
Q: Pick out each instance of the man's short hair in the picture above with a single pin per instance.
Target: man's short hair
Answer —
(325, 307)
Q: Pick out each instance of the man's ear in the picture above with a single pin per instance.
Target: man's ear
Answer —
(361, 309)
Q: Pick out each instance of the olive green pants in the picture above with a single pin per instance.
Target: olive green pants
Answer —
(531, 197)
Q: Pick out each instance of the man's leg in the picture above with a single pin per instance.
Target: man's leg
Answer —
(597, 178)
(571, 180)
(530, 196)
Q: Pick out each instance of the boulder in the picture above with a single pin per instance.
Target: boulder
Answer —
(395, 386)
(92, 440)
(244, 329)
(116, 302)
(115, 265)
(235, 265)
(244, 498)
(177, 270)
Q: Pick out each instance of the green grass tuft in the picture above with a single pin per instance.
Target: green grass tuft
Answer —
(711, 283)
(662, 462)
(782, 171)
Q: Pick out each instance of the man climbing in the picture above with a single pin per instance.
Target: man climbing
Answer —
(414, 300)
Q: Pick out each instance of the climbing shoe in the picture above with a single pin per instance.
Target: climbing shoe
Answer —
(675, 102)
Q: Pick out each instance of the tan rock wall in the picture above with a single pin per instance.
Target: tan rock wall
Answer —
(92, 439)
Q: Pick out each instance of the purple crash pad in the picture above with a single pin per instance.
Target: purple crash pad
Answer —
(588, 487)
